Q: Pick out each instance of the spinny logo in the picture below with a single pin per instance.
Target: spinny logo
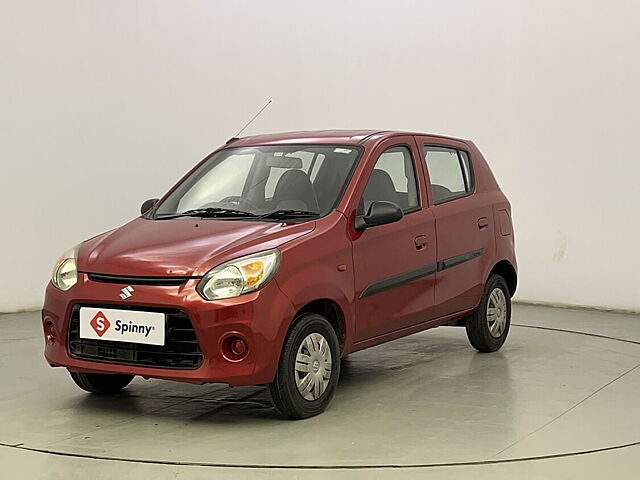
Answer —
(100, 324)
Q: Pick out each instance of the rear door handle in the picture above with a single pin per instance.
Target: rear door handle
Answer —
(420, 241)
(483, 222)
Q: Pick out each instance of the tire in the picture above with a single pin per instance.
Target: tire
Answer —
(101, 383)
(308, 336)
(486, 332)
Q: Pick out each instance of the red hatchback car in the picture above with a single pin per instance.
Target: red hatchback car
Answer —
(277, 255)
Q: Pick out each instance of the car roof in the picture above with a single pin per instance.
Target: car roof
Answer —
(326, 137)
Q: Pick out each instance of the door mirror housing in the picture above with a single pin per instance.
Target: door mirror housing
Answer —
(148, 205)
(380, 213)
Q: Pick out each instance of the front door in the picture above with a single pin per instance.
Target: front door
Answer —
(394, 264)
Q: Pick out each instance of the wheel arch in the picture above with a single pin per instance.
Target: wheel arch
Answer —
(506, 270)
(332, 311)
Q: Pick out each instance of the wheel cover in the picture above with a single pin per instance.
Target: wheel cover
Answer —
(313, 366)
(497, 312)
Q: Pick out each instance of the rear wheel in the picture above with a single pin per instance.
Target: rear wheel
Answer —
(308, 370)
(487, 327)
(101, 383)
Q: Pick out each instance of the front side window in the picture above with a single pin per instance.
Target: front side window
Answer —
(449, 172)
(260, 180)
(393, 179)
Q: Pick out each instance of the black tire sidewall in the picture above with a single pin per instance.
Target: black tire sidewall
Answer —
(286, 395)
(101, 383)
(477, 325)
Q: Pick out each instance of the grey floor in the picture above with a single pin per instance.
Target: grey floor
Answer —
(559, 400)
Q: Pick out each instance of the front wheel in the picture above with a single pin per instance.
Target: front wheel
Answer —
(487, 327)
(308, 370)
(101, 383)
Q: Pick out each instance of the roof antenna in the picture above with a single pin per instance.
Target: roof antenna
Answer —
(237, 135)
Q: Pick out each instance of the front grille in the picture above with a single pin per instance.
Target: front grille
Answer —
(181, 349)
(133, 280)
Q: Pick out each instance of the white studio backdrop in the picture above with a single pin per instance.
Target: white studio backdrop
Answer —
(106, 103)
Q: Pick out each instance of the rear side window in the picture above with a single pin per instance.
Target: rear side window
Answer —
(450, 173)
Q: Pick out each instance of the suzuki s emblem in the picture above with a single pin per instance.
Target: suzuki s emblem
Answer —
(126, 292)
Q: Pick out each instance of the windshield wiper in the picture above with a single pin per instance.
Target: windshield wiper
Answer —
(284, 213)
(233, 213)
(209, 213)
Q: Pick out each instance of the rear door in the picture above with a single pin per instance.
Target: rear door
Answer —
(394, 264)
(464, 225)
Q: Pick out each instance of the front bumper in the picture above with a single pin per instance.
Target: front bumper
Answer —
(261, 318)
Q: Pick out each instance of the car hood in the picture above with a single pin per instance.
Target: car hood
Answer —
(181, 247)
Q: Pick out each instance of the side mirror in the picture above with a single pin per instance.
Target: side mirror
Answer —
(148, 205)
(380, 213)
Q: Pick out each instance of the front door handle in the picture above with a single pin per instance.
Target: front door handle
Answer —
(483, 222)
(420, 241)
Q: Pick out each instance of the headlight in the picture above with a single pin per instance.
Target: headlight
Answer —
(239, 276)
(65, 273)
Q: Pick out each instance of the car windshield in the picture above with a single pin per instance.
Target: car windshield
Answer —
(264, 182)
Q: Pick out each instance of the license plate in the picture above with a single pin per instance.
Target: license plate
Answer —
(122, 325)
